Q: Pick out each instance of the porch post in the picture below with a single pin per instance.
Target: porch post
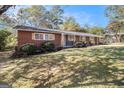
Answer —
(62, 40)
(74, 38)
(98, 40)
(80, 39)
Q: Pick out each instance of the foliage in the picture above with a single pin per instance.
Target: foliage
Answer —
(11, 41)
(116, 27)
(4, 8)
(39, 16)
(47, 46)
(19, 54)
(6, 21)
(28, 48)
(70, 24)
(55, 17)
(115, 12)
(116, 15)
(3, 36)
(77, 44)
(58, 48)
(34, 15)
(97, 30)
(83, 30)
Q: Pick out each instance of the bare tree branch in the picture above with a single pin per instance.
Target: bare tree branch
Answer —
(4, 8)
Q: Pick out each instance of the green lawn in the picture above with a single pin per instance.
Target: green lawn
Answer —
(98, 66)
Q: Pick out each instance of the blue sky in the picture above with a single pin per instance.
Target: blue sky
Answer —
(93, 15)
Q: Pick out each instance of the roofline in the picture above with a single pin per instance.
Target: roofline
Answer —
(114, 34)
(61, 31)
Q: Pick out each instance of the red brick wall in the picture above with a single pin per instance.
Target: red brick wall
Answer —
(26, 37)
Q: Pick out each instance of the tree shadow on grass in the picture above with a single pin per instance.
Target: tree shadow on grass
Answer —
(102, 69)
(59, 71)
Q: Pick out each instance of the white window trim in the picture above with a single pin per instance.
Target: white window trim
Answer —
(49, 37)
(33, 36)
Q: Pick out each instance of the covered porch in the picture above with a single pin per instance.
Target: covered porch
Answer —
(68, 40)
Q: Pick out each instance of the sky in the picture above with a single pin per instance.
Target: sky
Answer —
(92, 15)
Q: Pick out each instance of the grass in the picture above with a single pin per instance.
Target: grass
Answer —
(97, 66)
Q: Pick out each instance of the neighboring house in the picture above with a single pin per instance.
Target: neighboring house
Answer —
(60, 38)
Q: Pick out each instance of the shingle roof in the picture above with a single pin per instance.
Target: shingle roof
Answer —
(28, 28)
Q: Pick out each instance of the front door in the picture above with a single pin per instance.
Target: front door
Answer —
(69, 40)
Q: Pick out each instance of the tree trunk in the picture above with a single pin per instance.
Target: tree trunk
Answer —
(118, 36)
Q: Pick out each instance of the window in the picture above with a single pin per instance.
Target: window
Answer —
(92, 39)
(38, 36)
(83, 38)
(49, 37)
(42, 36)
(46, 37)
(71, 38)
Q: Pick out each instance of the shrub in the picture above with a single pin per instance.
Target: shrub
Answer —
(59, 48)
(28, 48)
(47, 47)
(84, 44)
(18, 54)
(11, 41)
(16, 48)
(3, 36)
(78, 44)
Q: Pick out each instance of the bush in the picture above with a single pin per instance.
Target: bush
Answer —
(59, 48)
(47, 47)
(11, 41)
(3, 36)
(28, 48)
(19, 54)
(78, 44)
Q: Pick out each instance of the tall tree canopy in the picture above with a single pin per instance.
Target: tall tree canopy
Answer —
(39, 16)
(55, 16)
(116, 25)
(97, 30)
(115, 12)
(5, 19)
(4, 8)
(33, 16)
(70, 24)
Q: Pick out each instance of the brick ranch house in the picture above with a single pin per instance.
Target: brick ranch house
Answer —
(27, 34)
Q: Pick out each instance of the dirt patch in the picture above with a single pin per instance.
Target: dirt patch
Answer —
(4, 57)
(5, 53)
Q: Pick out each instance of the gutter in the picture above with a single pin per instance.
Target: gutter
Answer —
(64, 32)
